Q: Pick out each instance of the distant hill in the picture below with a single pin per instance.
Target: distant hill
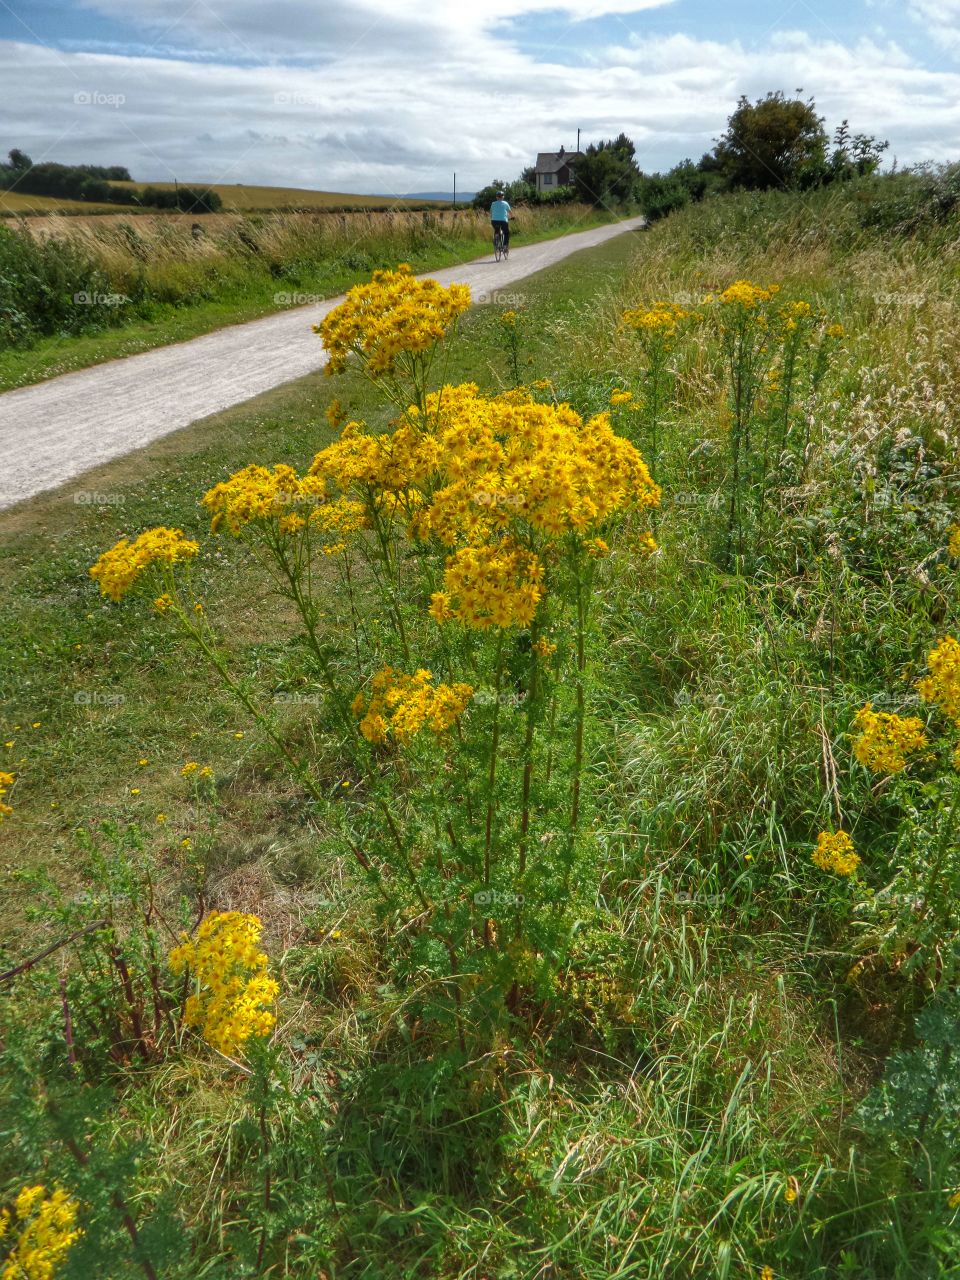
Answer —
(463, 197)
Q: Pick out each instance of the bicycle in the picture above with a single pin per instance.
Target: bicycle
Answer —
(500, 249)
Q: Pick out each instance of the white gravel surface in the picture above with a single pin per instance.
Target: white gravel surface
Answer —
(54, 431)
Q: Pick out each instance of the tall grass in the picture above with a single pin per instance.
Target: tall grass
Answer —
(144, 264)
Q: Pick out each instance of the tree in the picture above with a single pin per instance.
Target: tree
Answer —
(774, 142)
(19, 160)
(854, 155)
(607, 172)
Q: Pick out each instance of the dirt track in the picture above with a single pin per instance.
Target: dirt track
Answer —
(53, 432)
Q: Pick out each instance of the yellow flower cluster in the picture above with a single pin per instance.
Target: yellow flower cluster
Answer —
(236, 993)
(794, 314)
(835, 852)
(942, 685)
(745, 293)
(392, 314)
(360, 462)
(886, 741)
(662, 317)
(6, 780)
(953, 546)
(495, 585)
(118, 569)
(45, 1233)
(257, 494)
(510, 459)
(403, 705)
(620, 397)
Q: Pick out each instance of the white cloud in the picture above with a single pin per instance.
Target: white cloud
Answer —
(941, 18)
(369, 115)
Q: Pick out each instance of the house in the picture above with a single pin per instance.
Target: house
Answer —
(555, 169)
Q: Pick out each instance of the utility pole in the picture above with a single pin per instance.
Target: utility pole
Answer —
(578, 142)
(454, 187)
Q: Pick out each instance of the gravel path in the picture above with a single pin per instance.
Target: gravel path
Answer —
(53, 432)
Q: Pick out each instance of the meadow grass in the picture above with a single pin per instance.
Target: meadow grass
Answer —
(729, 1077)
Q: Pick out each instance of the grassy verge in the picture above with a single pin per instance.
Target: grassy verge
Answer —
(729, 1077)
(240, 297)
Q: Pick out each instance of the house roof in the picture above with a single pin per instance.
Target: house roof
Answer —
(552, 161)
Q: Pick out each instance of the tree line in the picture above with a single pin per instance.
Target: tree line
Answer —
(774, 142)
(93, 184)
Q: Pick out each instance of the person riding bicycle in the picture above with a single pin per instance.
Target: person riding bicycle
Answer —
(500, 218)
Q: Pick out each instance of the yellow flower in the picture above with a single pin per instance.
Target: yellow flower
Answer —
(205, 772)
(942, 685)
(789, 1193)
(745, 294)
(261, 498)
(767, 1273)
(835, 852)
(954, 1201)
(118, 569)
(885, 740)
(134, 791)
(403, 705)
(835, 331)
(6, 780)
(161, 817)
(143, 762)
(544, 648)
(620, 397)
(186, 843)
(235, 995)
(659, 320)
(163, 603)
(389, 320)
(45, 1232)
(953, 546)
(239, 734)
(190, 767)
(335, 414)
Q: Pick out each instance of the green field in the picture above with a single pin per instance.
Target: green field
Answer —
(666, 1042)
(242, 198)
(237, 198)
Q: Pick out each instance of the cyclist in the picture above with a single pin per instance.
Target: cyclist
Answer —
(500, 218)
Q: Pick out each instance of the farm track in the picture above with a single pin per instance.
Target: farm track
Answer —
(55, 431)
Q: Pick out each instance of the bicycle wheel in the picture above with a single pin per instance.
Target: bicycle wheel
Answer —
(498, 244)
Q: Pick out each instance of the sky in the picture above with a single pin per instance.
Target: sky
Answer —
(394, 96)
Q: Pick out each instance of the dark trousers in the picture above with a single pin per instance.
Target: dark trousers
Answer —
(505, 227)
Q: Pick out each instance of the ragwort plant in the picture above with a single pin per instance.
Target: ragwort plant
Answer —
(479, 525)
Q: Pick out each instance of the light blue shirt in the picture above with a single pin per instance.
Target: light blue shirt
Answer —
(499, 211)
